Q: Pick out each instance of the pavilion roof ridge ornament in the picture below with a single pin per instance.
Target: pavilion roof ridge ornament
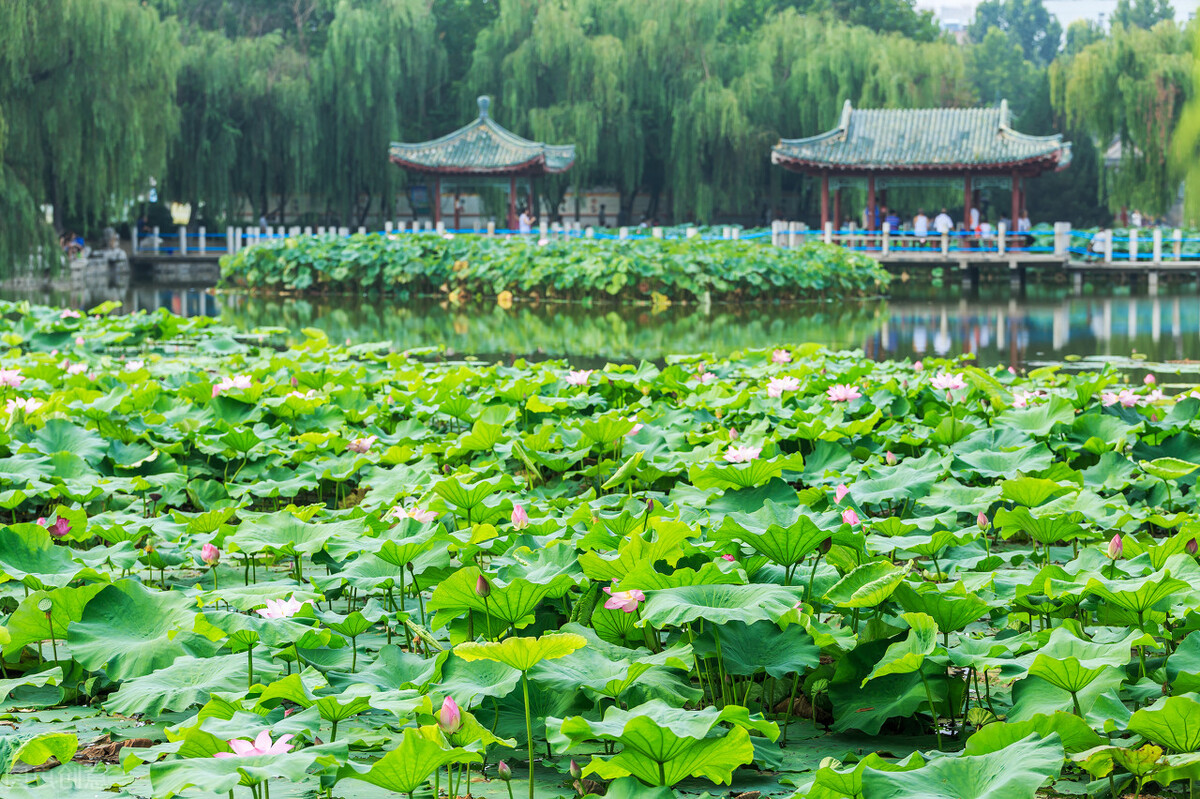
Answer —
(927, 140)
(482, 147)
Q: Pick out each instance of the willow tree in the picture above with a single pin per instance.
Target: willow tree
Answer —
(1131, 87)
(248, 128)
(381, 64)
(1185, 146)
(87, 102)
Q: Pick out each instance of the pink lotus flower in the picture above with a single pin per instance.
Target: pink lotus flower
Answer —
(745, 454)
(361, 445)
(416, 514)
(1149, 380)
(1108, 398)
(77, 368)
(918, 367)
(623, 600)
(778, 385)
(11, 378)
(504, 771)
(449, 717)
(1127, 398)
(310, 394)
(840, 492)
(948, 382)
(1116, 547)
(57, 530)
(134, 366)
(543, 242)
(578, 377)
(728, 558)
(982, 521)
(706, 377)
(733, 434)
(519, 518)
(237, 381)
(210, 555)
(483, 588)
(1154, 396)
(843, 392)
(27, 404)
(850, 517)
(79, 341)
(281, 609)
(260, 746)
(70, 313)
(889, 458)
(781, 356)
(633, 431)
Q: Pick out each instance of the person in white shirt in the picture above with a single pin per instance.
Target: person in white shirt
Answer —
(974, 219)
(942, 223)
(921, 225)
(525, 222)
(1135, 218)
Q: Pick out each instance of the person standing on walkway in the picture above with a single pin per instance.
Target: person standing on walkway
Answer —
(942, 223)
(921, 225)
(525, 222)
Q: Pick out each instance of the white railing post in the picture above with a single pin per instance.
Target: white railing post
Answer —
(1108, 245)
(491, 228)
(829, 233)
(793, 235)
(202, 239)
(656, 232)
(623, 233)
(387, 227)
(692, 232)
(589, 232)
(735, 233)
(1062, 238)
(133, 237)
(441, 228)
(157, 238)
(1001, 232)
(542, 229)
(887, 238)
(308, 230)
(229, 239)
(362, 231)
(1178, 244)
(1133, 244)
(1157, 245)
(945, 242)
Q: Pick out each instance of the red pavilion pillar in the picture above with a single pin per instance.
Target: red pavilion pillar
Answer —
(966, 202)
(837, 209)
(512, 202)
(824, 200)
(870, 202)
(437, 201)
(1016, 200)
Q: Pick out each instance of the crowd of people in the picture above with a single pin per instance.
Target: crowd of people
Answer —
(922, 227)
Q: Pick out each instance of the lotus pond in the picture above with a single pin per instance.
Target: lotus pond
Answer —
(238, 566)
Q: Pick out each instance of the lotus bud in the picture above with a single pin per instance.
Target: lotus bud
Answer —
(210, 555)
(60, 527)
(825, 546)
(1115, 547)
(155, 496)
(1149, 380)
(576, 771)
(449, 717)
(890, 457)
(728, 558)
(520, 519)
(649, 505)
(733, 434)
(982, 521)
(482, 587)
(295, 382)
(918, 366)
(850, 517)
(1191, 547)
(503, 771)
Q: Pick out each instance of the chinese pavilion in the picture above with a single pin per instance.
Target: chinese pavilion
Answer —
(922, 147)
(482, 149)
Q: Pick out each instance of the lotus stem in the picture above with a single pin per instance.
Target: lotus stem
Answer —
(932, 708)
(787, 712)
(249, 667)
(812, 576)
(528, 729)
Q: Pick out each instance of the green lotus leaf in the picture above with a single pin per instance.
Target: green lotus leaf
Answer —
(718, 604)
(36, 750)
(1015, 772)
(522, 653)
(187, 682)
(1031, 491)
(662, 542)
(784, 534)
(1183, 665)
(220, 775)
(28, 554)
(747, 649)
(1168, 468)
(909, 654)
(1075, 733)
(1072, 664)
(609, 670)
(470, 680)
(53, 676)
(406, 768)
(1173, 722)
(1136, 594)
(951, 609)
(841, 782)
(662, 745)
(128, 631)
(866, 586)
(510, 603)
(1044, 528)
(28, 623)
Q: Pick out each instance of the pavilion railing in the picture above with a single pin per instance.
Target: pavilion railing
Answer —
(1142, 246)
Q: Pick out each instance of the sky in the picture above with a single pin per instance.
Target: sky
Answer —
(1066, 10)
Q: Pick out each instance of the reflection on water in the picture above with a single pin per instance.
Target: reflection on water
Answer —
(1046, 325)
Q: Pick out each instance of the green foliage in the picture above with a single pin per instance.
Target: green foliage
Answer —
(1027, 22)
(471, 265)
